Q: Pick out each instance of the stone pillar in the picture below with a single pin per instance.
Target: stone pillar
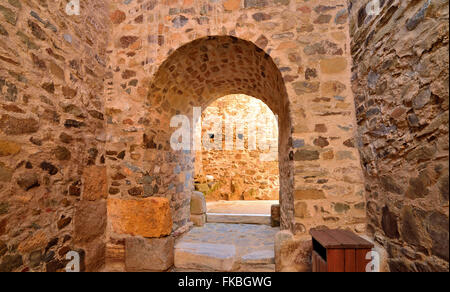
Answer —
(198, 209)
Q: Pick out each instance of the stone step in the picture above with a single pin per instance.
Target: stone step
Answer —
(261, 219)
(258, 261)
(205, 257)
(210, 257)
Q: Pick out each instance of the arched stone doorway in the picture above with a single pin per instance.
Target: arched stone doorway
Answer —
(195, 75)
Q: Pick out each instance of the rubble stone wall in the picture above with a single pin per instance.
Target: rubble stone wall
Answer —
(86, 105)
(400, 81)
(172, 47)
(52, 134)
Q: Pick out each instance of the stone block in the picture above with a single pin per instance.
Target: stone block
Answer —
(198, 220)
(115, 258)
(149, 255)
(333, 65)
(95, 183)
(309, 194)
(275, 215)
(37, 241)
(9, 148)
(292, 254)
(150, 217)
(95, 251)
(232, 5)
(89, 221)
(198, 203)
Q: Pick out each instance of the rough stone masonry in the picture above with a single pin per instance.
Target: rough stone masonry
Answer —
(86, 102)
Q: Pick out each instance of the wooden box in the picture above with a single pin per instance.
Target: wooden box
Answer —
(339, 251)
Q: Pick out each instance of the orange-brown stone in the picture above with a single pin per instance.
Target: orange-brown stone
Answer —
(38, 241)
(8, 148)
(333, 65)
(309, 194)
(95, 183)
(232, 5)
(149, 217)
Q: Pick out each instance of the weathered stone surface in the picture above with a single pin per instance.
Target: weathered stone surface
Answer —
(9, 15)
(95, 183)
(38, 240)
(117, 16)
(198, 220)
(9, 148)
(3, 248)
(149, 217)
(198, 203)
(231, 5)
(333, 65)
(309, 194)
(304, 87)
(306, 155)
(10, 263)
(404, 177)
(149, 255)
(275, 215)
(89, 221)
(62, 153)
(126, 41)
(205, 256)
(5, 173)
(41, 70)
(301, 210)
(437, 226)
(292, 254)
(389, 223)
(17, 126)
(28, 181)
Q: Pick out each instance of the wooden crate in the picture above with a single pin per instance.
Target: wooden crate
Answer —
(339, 251)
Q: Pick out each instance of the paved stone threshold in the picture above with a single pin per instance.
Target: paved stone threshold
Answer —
(243, 212)
(238, 218)
(219, 247)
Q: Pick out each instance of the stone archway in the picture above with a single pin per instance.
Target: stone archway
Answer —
(194, 76)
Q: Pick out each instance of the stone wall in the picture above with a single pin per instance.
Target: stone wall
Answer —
(158, 44)
(52, 134)
(87, 102)
(246, 168)
(400, 81)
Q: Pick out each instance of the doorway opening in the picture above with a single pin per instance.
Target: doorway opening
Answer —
(237, 166)
(194, 76)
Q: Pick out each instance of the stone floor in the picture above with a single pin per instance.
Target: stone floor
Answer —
(227, 247)
(240, 207)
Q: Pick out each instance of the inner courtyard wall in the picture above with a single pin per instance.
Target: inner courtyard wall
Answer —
(247, 168)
